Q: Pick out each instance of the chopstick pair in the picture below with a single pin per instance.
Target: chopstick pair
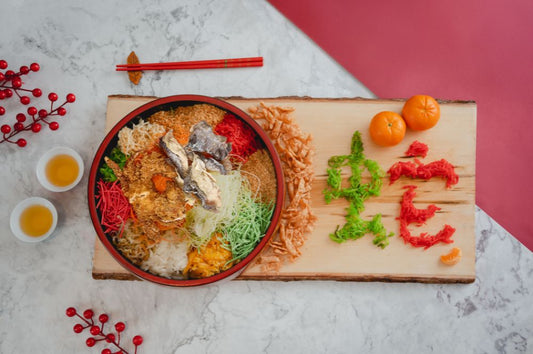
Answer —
(195, 64)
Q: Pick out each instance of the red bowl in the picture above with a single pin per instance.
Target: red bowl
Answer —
(143, 112)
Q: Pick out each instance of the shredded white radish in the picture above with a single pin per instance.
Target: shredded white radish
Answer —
(140, 137)
(167, 259)
(204, 222)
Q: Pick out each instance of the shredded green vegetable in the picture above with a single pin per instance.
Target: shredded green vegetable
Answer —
(250, 225)
(356, 194)
(242, 220)
(116, 156)
(107, 173)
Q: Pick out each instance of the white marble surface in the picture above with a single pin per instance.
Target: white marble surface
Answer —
(77, 44)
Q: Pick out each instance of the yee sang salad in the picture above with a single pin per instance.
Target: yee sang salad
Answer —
(187, 193)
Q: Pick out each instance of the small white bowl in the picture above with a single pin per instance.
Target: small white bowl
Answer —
(14, 221)
(43, 161)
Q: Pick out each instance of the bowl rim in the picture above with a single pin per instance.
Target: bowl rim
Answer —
(17, 212)
(47, 156)
(198, 99)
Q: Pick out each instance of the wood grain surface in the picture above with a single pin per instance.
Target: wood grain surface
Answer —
(332, 123)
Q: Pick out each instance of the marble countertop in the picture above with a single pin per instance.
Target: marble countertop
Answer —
(77, 43)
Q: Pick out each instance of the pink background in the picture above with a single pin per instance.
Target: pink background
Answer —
(467, 50)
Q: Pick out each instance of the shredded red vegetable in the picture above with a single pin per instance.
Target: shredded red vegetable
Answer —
(244, 141)
(412, 215)
(425, 240)
(409, 214)
(417, 169)
(441, 168)
(401, 168)
(417, 149)
(113, 205)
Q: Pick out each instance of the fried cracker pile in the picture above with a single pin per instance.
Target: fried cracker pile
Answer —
(296, 153)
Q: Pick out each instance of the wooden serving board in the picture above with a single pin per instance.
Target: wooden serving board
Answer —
(332, 123)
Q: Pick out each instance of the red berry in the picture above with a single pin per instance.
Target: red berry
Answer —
(2, 95)
(103, 318)
(25, 100)
(120, 326)
(36, 127)
(71, 312)
(43, 113)
(8, 93)
(18, 126)
(55, 126)
(110, 338)
(3, 64)
(137, 340)
(37, 92)
(87, 313)
(21, 142)
(6, 129)
(71, 98)
(9, 74)
(90, 342)
(2, 111)
(32, 111)
(17, 82)
(24, 69)
(52, 96)
(61, 111)
(106, 351)
(2, 77)
(21, 117)
(34, 67)
(78, 328)
(95, 330)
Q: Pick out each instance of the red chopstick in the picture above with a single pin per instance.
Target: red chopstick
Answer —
(197, 64)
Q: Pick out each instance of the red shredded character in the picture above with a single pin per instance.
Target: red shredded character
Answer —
(402, 169)
(425, 240)
(412, 215)
(417, 149)
(417, 169)
(440, 168)
(409, 214)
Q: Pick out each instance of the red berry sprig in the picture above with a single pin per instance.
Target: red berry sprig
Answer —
(97, 331)
(11, 85)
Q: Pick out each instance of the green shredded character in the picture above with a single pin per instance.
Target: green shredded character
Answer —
(356, 194)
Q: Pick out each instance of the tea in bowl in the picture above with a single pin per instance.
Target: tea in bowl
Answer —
(60, 169)
(33, 219)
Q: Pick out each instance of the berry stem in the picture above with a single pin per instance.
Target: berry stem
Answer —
(14, 88)
(6, 139)
(84, 320)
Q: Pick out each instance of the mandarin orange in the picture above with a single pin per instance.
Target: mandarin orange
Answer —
(387, 128)
(451, 258)
(421, 112)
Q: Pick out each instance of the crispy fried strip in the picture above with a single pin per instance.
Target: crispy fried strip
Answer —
(296, 152)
